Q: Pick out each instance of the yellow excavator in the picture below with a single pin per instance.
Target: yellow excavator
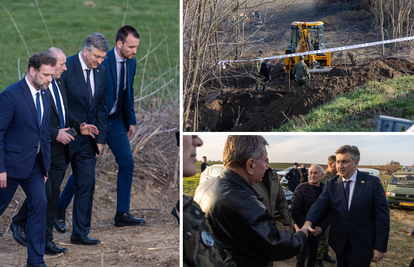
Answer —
(308, 36)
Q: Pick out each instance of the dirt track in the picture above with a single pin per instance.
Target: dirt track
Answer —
(264, 111)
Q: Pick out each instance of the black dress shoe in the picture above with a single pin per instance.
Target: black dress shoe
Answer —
(19, 234)
(60, 221)
(128, 220)
(52, 249)
(37, 265)
(328, 258)
(84, 240)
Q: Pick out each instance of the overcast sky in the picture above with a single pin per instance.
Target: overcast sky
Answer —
(375, 148)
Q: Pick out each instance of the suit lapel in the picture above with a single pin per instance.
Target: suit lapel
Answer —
(46, 104)
(62, 90)
(29, 98)
(80, 77)
(112, 68)
(359, 187)
(339, 185)
(97, 79)
(53, 103)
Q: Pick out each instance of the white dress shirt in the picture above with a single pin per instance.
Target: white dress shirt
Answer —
(84, 68)
(119, 61)
(54, 98)
(34, 92)
(351, 186)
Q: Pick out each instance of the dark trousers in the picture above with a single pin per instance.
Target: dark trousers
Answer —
(34, 188)
(57, 170)
(309, 250)
(348, 258)
(83, 184)
(292, 186)
(118, 142)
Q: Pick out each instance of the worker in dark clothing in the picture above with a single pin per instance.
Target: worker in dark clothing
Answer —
(293, 177)
(204, 165)
(265, 72)
(300, 72)
(303, 174)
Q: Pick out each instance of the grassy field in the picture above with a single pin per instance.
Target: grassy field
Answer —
(69, 22)
(356, 111)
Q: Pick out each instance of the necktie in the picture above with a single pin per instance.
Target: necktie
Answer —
(88, 85)
(58, 104)
(347, 191)
(120, 91)
(38, 108)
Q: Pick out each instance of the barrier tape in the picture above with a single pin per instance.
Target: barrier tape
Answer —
(223, 62)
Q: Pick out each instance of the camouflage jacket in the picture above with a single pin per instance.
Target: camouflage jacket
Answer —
(201, 249)
(327, 175)
(258, 63)
(300, 71)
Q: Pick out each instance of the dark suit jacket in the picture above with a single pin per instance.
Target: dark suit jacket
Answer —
(367, 223)
(20, 132)
(70, 121)
(128, 105)
(78, 99)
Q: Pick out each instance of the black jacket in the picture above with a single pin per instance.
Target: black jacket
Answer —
(293, 176)
(303, 175)
(241, 223)
(265, 70)
(303, 198)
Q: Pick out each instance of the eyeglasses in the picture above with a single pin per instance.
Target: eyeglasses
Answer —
(96, 56)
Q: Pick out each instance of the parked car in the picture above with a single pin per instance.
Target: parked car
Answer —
(214, 171)
(282, 174)
(400, 190)
(373, 172)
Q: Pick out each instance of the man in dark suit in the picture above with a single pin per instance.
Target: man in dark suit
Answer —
(360, 217)
(85, 81)
(60, 122)
(120, 62)
(25, 147)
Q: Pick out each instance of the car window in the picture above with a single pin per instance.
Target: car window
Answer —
(402, 179)
(216, 171)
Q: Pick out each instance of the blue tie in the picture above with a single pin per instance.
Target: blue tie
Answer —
(347, 191)
(38, 108)
(58, 104)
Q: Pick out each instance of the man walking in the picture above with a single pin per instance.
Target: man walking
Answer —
(265, 73)
(300, 72)
(293, 177)
(25, 148)
(238, 218)
(85, 81)
(360, 223)
(61, 122)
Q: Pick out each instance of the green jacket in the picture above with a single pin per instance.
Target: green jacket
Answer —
(258, 63)
(327, 175)
(277, 198)
(300, 71)
(201, 249)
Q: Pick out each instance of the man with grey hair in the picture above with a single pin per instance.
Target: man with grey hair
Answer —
(304, 196)
(360, 223)
(234, 210)
(61, 122)
(85, 81)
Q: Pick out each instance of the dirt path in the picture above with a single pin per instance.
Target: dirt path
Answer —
(157, 243)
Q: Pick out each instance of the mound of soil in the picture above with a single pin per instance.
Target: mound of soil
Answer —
(244, 109)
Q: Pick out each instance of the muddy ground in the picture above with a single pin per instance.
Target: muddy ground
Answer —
(239, 107)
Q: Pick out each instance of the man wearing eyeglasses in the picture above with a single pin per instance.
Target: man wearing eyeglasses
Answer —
(85, 81)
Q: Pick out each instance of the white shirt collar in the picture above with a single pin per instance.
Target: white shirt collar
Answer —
(32, 89)
(83, 64)
(353, 177)
(118, 58)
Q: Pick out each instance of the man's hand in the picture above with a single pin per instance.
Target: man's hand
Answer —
(100, 146)
(308, 226)
(3, 179)
(88, 129)
(377, 255)
(45, 178)
(131, 131)
(317, 232)
(63, 137)
(288, 228)
(301, 230)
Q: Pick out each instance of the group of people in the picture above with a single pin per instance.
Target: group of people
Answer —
(61, 113)
(234, 212)
(263, 70)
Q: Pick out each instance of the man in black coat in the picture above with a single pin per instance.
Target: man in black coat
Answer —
(61, 121)
(234, 210)
(304, 196)
(265, 72)
(360, 224)
(293, 177)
